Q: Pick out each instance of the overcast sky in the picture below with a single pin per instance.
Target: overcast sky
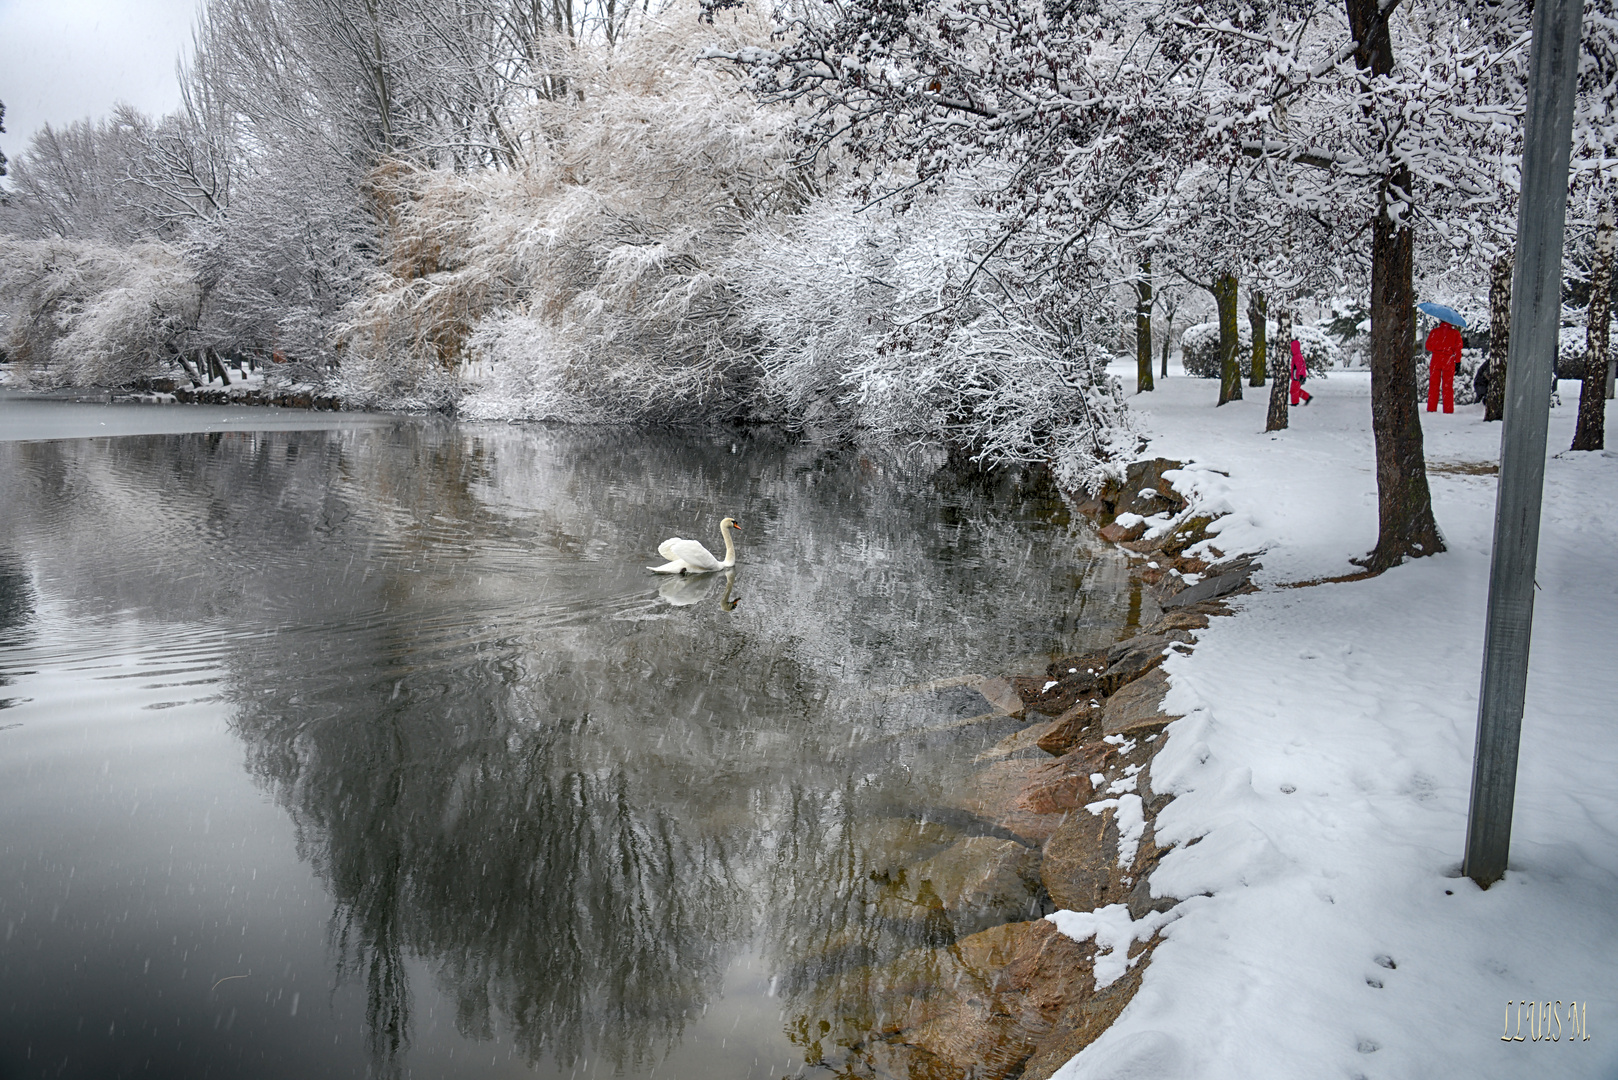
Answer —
(64, 60)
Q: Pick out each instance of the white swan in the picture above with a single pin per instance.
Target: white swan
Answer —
(690, 557)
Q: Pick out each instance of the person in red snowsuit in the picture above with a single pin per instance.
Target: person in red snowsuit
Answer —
(1445, 344)
(1300, 372)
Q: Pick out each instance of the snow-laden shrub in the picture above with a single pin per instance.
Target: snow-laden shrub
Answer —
(599, 262)
(1199, 348)
(1320, 351)
(1003, 387)
(1572, 348)
(868, 325)
(82, 313)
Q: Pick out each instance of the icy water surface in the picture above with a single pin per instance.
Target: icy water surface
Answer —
(373, 749)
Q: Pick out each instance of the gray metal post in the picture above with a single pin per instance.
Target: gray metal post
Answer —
(1536, 307)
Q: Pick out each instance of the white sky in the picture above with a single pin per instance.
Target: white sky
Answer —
(64, 60)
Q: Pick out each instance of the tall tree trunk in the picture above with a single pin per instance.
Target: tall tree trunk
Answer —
(1230, 368)
(1143, 328)
(1591, 433)
(1257, 308)
(1168, 339)
(1405, 524)
(1280, 373)
(217, 366)
(1494, 395)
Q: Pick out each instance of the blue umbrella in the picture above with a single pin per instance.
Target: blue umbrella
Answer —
(1439, 311)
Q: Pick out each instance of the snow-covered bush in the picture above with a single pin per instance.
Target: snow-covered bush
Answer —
(78, 312)
(873, 324)
(591, 280)
(1572, 348)
(1320, 352)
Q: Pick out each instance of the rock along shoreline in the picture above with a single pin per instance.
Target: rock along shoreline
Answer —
(1074, 784)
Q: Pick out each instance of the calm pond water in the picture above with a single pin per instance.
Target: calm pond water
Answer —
(372, 749)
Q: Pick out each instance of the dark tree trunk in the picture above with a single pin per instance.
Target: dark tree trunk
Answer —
(217, 366)
(1405, 524)
(1168, 339)
(1256, 310)
(190, 372)
(1494, 395)
(1230, 368)
(1280, 373)
(1143, 328)
(1592, 430)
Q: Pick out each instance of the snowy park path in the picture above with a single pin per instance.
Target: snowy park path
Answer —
(1325, 759)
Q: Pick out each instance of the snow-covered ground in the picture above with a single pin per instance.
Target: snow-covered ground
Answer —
(1325, 761)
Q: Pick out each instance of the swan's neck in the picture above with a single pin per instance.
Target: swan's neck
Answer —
(730, 548)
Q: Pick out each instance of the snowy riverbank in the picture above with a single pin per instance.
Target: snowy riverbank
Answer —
(1325, 759)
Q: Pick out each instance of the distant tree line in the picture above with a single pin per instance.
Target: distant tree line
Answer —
(862, 220)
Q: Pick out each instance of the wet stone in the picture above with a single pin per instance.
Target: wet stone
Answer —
(1011, 985)
(1069, 729)
(1117, 532)
(1139, 656)
(1136, 709)
(1180, 620)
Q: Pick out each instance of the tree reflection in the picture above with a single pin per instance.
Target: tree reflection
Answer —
(508, 754)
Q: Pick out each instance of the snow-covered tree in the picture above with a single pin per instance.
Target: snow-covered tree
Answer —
(589, 281)
(894, 327)
(1399, 119)
(82, 312)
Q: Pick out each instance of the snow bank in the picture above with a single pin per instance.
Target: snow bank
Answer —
(1324, 764)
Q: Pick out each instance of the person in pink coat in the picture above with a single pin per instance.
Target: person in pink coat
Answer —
(1445, 345)
(1300, 372)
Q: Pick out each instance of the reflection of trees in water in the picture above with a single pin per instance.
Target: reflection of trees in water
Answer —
(561, 900)
(572, 817)
(16, 610)
(16, 599)
(845, 911)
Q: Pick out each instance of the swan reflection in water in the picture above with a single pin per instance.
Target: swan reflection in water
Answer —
(685, 591)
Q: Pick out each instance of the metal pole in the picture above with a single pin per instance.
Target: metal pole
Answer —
(1536, 307)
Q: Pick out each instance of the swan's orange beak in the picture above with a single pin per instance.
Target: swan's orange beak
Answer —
(735, 526)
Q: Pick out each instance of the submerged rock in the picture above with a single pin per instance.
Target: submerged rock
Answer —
(978, 882)
(1023, 743)
(1002, 695)
(996, 795)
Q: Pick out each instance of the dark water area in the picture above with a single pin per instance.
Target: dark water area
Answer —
(373, 749)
